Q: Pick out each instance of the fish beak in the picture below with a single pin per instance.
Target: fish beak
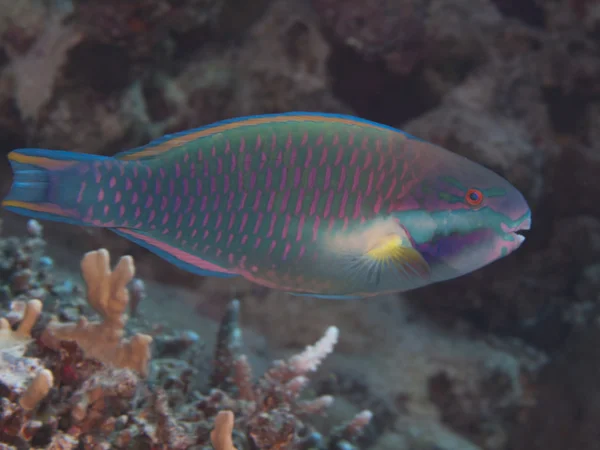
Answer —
(515, 232)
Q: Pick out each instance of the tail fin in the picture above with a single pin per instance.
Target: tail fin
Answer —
(34, 173)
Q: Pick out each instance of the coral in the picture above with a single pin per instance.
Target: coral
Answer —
(24, 377)
(107, 293)
(220, 437)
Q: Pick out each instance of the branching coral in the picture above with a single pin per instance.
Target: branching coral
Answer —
(25, 377)
(269, 409)
(107, 293)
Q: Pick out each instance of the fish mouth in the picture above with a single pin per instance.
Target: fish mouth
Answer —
(515, 233)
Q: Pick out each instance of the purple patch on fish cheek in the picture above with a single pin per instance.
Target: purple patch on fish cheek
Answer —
(101, 195)
(113, 181)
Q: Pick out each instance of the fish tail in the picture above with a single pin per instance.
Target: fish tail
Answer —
(33, 190)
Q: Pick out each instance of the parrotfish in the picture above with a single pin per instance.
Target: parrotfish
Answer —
(322, 205)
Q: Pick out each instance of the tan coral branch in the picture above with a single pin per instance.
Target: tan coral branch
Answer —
(107, 293)
(221, 435)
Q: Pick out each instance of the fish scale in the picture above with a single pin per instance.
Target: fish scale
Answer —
(309, 203)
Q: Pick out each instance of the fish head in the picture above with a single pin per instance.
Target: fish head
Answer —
(466, 217)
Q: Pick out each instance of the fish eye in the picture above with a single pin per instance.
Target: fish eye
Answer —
(474, 197)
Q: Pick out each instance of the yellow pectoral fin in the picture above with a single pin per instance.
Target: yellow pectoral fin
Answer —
(396, 251)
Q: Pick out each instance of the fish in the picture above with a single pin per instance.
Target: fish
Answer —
(313, 204)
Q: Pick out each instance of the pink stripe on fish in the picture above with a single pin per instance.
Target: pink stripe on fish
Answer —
(323, 156)
(205, 221)
(312, 176)
(233, 162)
(179, 219)
(178, 235)
(105, 210)
(231, 221)
(226, 183)
(342, 178)
(137, 213)
(177, 170)
(257, 201)
(370, 183)
(354, 157)
(391, 189)
(218, 238)
(213, 151)
(135, 170)
(357, 206)
(149, 171)
(186, 157)
(272, 246)
(319, 140)
(203, 205)
(243, 201)
(343, 204)
(309, 154)
(284, 201)
(242, 144)
(272, 225)
(351, 139)
(101, 195)
(284, 172)
(268, 178)
(356, 179)
(177, 203)
(258, 143)
(157, 186)
(327, 177)
(313, 205)
(205, 235)
(257, 242)
(213, 185)
(381, 162)
(331, 224)
(192, 220)
(315, 229)
(258, 223)
(336, 139)
(288, 143)
(118, 196)
(229, 239)
(121, 210)
(286, 226)
(338, 158)
(230, 201)
(244, 221)
(149, 201)
(271, 201)
(286, 250)
(304, 138)
(88, 215)
(128, 184)
(152, 215)
(165, 219)
(113, 182)
(300, 228)
(190, 204)
(163, 203)
(161, 171)
(302, 251)
(244, 239)
(345, 226)
(293, 157)
(230, 258)
(98, 177)
(144, 186)
(377, 206)
(227, 146)
(165, 231)
(299, 201)
(219, 220)
(177, 253)
(219, 166)
(80, 194)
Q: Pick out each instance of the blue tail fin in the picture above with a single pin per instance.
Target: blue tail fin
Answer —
(34, 173)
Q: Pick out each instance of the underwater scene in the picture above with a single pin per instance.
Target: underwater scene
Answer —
(300, 224)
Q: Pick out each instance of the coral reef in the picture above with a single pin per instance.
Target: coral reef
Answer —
(481, 362)
(88, 386)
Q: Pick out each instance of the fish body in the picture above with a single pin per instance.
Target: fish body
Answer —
(313, 204)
